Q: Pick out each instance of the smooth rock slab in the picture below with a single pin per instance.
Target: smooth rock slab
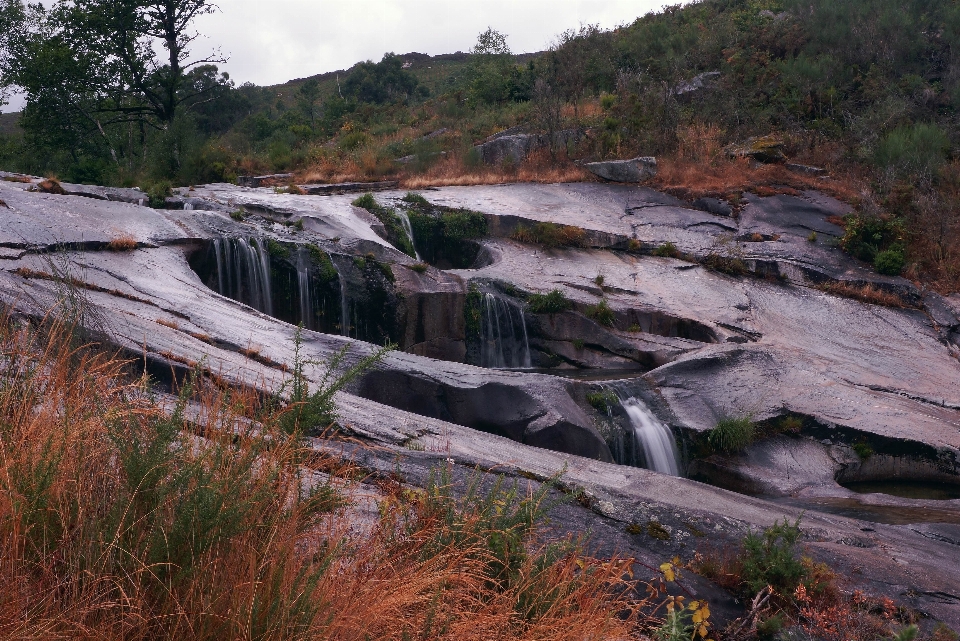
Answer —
(634, 170)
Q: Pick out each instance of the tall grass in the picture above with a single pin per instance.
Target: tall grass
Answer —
(123, 516)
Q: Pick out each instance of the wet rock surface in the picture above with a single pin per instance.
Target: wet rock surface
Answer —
(763, 342)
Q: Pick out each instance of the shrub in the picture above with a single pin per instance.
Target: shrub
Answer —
(769, 558)
(602, 313)
(667, 250)
(237, 215)
(731, 434)
(890, 262)
(812, 238)
(420, 268)
(122, 244)
(550, 235)
(551, 303)
(866, 236)
(863, 450)
(730, 265)
(918, 149)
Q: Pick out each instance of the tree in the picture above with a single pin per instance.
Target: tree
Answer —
(308, 99)
(88, 67)
(491, 71)
(382, 82)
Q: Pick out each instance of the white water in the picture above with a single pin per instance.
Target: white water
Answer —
(407, 227)
(187, 206)
(344, 305)
(654, 438)
(243, 272)
(307, 316)
(501, 346)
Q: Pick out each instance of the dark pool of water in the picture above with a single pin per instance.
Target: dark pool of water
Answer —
(926, 490)
(888, 514)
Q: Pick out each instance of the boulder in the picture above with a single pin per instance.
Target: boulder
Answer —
(625, 171)
(512, 148)
(702, 81)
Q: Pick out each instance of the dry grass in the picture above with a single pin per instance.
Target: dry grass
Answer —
(17, 179)
(864, 293)
(231, 535)
(70, 281)
(122, 244)
(166, 323)
(50, 186)
(728, 179)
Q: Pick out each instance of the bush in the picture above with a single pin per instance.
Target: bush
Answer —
(602, 313)
(770, 559)
(603, 401)
(551, 303)
(918, 149)
(731, 434)
(667, 250)
(890, 262)
(550, 235)
(867, 236)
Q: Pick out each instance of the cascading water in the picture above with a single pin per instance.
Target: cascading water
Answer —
(407, 227)
(243, 272)
(344, 305)
(501, 346)
(187, 206)
(647, 442)
(307, 316)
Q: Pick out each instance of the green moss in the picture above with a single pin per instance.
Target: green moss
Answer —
(420, 268)
(578, 343)
(551, 303)
(726, 264)
(473, 312)
(238, 215)
(326, 270)
(277, 250)
(603, 401)
(667, 250)
(550, 235)
(396, 233)
(635, 529)
(657, 531)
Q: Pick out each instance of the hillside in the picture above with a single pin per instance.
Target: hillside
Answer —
(8, 124)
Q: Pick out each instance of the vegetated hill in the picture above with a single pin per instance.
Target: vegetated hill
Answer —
(869, 91)
(8, 124)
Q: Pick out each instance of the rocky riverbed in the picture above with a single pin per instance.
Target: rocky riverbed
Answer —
(675, 316)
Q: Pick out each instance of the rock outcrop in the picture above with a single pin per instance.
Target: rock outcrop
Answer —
(634, 170)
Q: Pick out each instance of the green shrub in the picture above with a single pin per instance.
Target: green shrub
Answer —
(812, 237)
(603, 401)
(863, 450)
(918, 149)
(602, 313)
(552, 303)
(420, 268)
(769, 558)
(237, 215)
(890, 262)
(667, 250)
(326, 270)
(866, 236)
(731, 434)
(444, 235)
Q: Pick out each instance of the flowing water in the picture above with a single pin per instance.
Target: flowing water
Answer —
(407, 227)
(504, 340)
(307, 316)
(187, 206)
(344, 305)
(243, 272)
(647, 442)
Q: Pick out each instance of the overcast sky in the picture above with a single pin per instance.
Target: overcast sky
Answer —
(272, 41)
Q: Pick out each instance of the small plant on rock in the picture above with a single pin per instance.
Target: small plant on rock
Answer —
(731, 434)
(667, 250)
(551, 303)
(602, 313)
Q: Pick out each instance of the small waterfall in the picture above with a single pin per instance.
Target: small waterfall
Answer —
(648, 443)
(187, 206)
(307, 316)
(344, 305)
(500, 347)
(407, 227)
(243, 272)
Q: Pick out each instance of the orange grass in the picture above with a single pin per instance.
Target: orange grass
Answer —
(122, 244)
(864, 293)
(106, 496)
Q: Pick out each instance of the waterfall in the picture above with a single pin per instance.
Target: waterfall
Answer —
(344, 305)
(187, 206)
(307, 317)
(243, 272)
(407, 227)
(649, 437)
(500, 346)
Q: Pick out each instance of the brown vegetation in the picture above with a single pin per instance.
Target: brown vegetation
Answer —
(17, 179)
(868, 293)
(232, 535)
(50, 186)
(122, 244)
(167, 323)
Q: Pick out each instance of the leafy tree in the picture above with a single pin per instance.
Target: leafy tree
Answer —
(382, 82)
(308, 99)
(491, 70)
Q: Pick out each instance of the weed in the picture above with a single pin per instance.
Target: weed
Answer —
(167, 323)
(943, 633)
(238, 215)
(50, 186)
(420, 268)
(553, 302)
(17, 179)
(868, 293)
(602, 313)
(312, 412)
(634, 328)
(812, 238)
(298, 225)
(731, 434)
(598, 280)
(890, 262)
(122, 244)
(634, 245)
(578, 344)
(730, 265)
